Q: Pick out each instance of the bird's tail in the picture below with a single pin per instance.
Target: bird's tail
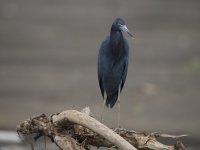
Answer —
(111, 99)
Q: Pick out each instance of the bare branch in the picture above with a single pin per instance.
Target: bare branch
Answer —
(171, 136)
(94, 125)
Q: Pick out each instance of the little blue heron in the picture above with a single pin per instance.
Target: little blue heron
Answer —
(113, 64)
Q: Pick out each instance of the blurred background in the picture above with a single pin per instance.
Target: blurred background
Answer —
(48, 63)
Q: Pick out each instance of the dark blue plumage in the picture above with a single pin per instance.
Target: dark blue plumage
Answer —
(113, 62)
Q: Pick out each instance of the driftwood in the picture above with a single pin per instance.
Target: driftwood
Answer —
(74, 130)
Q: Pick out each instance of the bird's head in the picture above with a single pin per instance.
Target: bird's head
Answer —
(120, 25)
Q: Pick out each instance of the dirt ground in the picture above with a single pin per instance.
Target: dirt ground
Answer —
(48, 62)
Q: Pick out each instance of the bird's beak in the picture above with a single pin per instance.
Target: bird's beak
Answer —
(125, 29)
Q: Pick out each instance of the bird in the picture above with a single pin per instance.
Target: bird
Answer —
(113, 64)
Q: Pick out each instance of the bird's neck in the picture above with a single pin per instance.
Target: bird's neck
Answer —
(116, 41)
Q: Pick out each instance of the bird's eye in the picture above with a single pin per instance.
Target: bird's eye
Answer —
(120, 25)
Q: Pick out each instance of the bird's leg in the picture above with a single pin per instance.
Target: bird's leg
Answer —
(104, 103)
(118, 116)
(103, 106)
(118, 102)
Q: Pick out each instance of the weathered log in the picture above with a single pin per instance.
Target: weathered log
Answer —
(74, 130)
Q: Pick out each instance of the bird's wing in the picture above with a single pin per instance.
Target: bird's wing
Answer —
(102, 49)
(124, 74)
(101, 86)
(100, 76)
(125, 67)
